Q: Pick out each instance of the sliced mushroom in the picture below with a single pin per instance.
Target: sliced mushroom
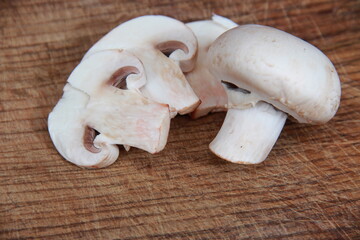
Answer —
(206, 86)
(166, 47)
(102, 106)
(273, 73)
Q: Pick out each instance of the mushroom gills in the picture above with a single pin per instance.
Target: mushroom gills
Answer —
(232, 86)
(120, 78)
(239, 97)
(248, 135)
(167, 48)
(89, 136)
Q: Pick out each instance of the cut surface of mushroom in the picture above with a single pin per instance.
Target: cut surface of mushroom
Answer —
(102, 106)
(206, 86)
(262, 68)
(167, 48)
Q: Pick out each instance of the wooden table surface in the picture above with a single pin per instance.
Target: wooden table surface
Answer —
(308, 188)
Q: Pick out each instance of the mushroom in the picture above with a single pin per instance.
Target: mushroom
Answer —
(102, 106)
(167, 48)
(268, 73)
(124, 91)
(210, 91)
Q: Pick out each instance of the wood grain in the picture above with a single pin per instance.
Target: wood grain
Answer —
(308, 188)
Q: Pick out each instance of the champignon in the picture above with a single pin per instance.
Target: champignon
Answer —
(124, 91)
(207, 88)
(102, 106)
(267, 73)
(167, 48)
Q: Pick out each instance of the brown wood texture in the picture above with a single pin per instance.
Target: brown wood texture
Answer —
(308, 188)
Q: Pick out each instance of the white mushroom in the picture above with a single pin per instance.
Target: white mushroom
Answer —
(151, 39)
(126, 89)
(102, 95)
(267, 73)
(206, 86)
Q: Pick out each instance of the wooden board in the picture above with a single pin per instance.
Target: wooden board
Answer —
(308, 188)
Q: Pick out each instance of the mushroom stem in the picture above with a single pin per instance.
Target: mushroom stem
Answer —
(248, 135)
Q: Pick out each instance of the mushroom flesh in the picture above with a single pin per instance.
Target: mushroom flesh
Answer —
(167, 48)
(102, 106)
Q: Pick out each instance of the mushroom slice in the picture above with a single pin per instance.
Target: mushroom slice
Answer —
(72, 137)
(167, 48)
(102, 106)
(264, 68)
(206, 86)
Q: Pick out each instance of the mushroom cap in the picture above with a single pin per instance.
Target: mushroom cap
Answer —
(153, 31)
(206, 86)
(283, 70)
(150, 38)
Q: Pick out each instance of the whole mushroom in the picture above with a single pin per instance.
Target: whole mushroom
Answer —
(267, 73)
